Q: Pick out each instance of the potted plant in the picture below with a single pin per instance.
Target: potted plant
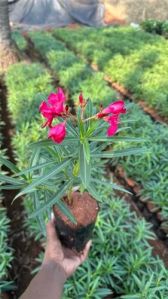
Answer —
(66, 168)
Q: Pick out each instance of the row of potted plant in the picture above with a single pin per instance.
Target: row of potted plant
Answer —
(129, 56)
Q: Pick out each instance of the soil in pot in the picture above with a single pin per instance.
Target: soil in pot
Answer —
(85, 209)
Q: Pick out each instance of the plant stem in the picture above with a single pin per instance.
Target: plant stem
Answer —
(89, 118)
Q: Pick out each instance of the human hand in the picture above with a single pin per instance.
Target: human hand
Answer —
(66, 258)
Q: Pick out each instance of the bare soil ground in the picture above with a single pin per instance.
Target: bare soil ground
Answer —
(136, 11)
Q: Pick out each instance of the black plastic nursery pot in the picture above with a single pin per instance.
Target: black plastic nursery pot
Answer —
(85, 210)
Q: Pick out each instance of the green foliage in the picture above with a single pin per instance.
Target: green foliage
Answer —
(27, 85)
(53, 164)
(152, 26)
(19, 40)
(150, 170)
(135, 59)
(120, 261)
(165, 29)
(73, 73)
(156, 26)
(5, 250)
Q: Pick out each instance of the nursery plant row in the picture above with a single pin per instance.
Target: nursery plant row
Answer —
(121, 255)
(5, 251)
(129, 56)
(150, 170)
(156, 27)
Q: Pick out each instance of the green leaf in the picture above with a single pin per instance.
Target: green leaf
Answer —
(40, 217)
(64, 209)
(121, 153)
(71, 129)
(84, 167)
(81, 129)
(87, 150)
(89, 109)
(115, 139)
(8, 179)
(56, 200)
(46, 143)
(110, 184)
(59, 167)
(9, 164)
(10, 187)
(31, 169)
(93, 192)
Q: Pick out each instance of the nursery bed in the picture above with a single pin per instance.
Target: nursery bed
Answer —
(41, 44)
(25, 249)
(6, 253)
(135, 239)
(122, 91)
(115, 84)
(143, 209)
(129, 56)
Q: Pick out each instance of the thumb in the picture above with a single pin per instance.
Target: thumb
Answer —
(51, 232)
(85, 252)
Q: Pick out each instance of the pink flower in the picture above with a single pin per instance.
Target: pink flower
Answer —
(54, 106)
(111, 114)
(113, 121)
(115, 108)
(58, 97)
(57, 133)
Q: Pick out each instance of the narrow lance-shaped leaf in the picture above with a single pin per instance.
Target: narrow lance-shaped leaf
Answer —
(87, 150)
(93, 192)
(56, 199)
(59, 167)
(9, 164)
(116, 139)
(121, 153)
(31, 169)
(110, 184)
(84, 166)
(40, 217)
(47, 142)
(10, 180)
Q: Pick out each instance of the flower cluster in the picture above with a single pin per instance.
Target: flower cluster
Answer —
(55, 107)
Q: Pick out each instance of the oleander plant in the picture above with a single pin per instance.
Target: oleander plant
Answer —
(65, 168)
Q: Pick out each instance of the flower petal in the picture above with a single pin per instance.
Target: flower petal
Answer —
(61, 95)
(52, 98)
(112, 130)
(45, 110)
(57, 133)
(115, 108)
(58, 97)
